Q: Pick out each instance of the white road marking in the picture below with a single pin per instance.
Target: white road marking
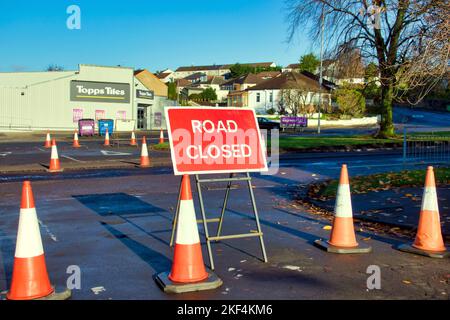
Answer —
(4, 154)
(48, 231)
(114, 153)
(40, 149)
(70, 158)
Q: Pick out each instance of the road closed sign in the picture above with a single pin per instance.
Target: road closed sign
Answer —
(214, 140)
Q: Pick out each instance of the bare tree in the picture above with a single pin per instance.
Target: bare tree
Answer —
(294, 100)
(408, 40)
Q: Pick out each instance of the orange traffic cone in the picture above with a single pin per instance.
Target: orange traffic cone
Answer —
(30, 278)
(48, 143)
(76, 143)
(106, 139)
(133, 139)
(429, 241)
(188, 270)
(343, 239)
(161, 136)
(54, 159)
(145, 159)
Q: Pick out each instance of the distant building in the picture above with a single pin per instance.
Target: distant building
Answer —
(215, 70)
(248, 80)
(57, 100)
(213, 82)
(166, 76)
(267, 94)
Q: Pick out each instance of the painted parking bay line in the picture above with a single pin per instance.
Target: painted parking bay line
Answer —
(114, 153)
(73, 159)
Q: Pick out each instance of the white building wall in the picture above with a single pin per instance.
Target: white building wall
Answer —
(41, 100)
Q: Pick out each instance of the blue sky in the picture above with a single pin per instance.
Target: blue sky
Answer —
(145, 33)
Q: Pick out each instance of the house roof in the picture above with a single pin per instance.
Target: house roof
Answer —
(315, 77)
(182, 83)
(163, 75)
(289, 80)
(195, 76)
(294, 66)
(222, 66)
(199, 68)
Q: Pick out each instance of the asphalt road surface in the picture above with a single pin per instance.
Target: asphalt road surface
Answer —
(116, 224)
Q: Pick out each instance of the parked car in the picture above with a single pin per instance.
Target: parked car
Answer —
(265, 123)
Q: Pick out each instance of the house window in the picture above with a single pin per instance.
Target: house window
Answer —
(258, 97)
(271, 97)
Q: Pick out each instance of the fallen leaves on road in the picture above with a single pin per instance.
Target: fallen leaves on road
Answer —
(406, 282)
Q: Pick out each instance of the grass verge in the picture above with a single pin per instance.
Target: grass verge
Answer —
(298, 143)
(381, 181)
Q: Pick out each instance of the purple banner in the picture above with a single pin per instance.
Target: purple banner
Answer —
(294, 121)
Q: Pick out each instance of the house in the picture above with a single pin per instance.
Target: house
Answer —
(216, 70)
(197, 77)
(268, 93)
(248, 80)
(166, 76)
(213, 82)
(292, 67)
(348, 67)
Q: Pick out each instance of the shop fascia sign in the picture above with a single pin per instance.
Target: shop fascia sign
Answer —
(99, 91)
(145, 94)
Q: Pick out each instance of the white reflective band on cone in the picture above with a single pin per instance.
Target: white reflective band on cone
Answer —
(343, 206)
(54, 154)
(29, 243)
(429, 199)
(144, 152)
(187, 232)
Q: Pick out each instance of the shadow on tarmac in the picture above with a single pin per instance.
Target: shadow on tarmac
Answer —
(154, 259)
(116, 204)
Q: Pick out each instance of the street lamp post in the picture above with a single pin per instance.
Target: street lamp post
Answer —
(321, 68)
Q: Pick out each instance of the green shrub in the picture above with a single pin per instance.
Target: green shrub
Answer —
(350, 102)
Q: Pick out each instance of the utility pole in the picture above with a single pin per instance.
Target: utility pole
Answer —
(321, 67)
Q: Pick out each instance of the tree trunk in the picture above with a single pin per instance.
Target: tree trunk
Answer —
(387, 123)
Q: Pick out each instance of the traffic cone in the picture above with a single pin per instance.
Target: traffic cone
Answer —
(48, 143)
(145, 159)
(76, 143)
(429, 241)
(30, 278)
(54, 159)
(188, 270)
(133, 139)
(343, 239)
(106, 139)
(161, 136)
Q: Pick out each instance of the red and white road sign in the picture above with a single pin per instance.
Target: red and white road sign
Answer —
(214, 140)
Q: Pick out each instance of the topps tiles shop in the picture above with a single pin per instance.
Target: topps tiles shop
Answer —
(57, 100)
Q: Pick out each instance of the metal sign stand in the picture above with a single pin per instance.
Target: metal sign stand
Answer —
(205, 221)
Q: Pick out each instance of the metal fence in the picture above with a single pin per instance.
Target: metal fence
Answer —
(426, 148)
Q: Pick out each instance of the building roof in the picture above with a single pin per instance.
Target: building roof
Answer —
(182, 83)
(315, 77)
(223, 66)
(163, 75)
(151, 82)
(289, 80)
(199, 68)
(293, 66)
(195, 76)
(252, 78)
